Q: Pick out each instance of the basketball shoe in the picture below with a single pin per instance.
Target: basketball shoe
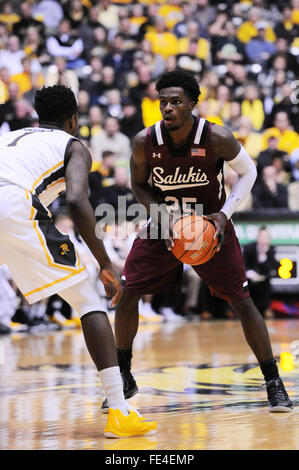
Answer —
(129, 385)
(278, 397)
(134, 425)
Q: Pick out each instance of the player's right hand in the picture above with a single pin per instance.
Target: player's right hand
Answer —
(167, 231)
(219, 219)
(111, 280)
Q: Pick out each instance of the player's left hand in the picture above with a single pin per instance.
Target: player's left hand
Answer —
(111, 280)
(219, 219)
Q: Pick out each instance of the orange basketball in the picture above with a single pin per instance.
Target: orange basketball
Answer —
(195, 242)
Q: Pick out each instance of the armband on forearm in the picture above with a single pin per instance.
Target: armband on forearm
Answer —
(246, 170)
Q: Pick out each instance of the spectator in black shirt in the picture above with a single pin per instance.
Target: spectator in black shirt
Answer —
(286, 28)
(120, 60)
(75, 12)
(101, 178)
(131, 122)
(267, 192)
(138, 92)
(261, 266)
(122, 189)
(268, 156)
(7, 110)
(228, 47)
(23, 116)
(20, 28)
(92, 82)
(87, 30)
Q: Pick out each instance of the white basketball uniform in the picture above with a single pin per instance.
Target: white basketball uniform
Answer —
(41, 259)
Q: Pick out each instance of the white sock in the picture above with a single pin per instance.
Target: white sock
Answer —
(113, 388)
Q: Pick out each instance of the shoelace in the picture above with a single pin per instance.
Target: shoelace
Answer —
(279, 388)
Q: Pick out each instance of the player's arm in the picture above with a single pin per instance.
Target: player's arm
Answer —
(225, 146)
(145, 195)
(78, 164)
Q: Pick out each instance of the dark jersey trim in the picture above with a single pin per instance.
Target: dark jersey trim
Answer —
(66, 153)
(50, 179)
(41, 211)
(58, 244)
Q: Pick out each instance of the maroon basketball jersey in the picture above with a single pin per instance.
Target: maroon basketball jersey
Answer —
(187, 175)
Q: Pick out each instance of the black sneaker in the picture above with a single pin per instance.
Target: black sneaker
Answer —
(130, 388)
(278, 397)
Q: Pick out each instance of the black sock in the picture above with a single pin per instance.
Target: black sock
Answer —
(269, 369)
(124, 359)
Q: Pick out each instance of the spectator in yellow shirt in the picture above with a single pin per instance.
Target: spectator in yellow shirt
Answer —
(288, 139)
(248, 29)
(4, 82)
(137, 18)
(220, 106)
(203, 47)
(171, 12)
(150, 106)
(151, 2)
(163, 42)
(252, 107)
(205, 112)
(295, 11)
(251, 141)
(24, 79)
(8, 16)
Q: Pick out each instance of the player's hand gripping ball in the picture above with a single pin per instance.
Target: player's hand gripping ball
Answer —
(195, 243)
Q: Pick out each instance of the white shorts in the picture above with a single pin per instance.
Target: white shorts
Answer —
(42, 260)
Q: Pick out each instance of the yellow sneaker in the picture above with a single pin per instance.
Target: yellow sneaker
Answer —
(134, 425)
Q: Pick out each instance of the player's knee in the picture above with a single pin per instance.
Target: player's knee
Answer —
(83, 298)
(127, 303)
(244, 306)
(91, 313)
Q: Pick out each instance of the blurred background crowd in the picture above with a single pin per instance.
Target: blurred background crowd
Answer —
(246, 57)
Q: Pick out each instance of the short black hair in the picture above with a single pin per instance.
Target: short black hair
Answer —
(55, 104)
(182, 79)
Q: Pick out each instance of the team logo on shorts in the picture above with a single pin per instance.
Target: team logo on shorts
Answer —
(64, 249)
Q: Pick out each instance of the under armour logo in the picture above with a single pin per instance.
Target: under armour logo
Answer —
(157, 155)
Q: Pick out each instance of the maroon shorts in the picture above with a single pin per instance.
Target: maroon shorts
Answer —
(150, 268)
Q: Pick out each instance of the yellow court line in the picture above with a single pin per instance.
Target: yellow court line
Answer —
(54, 282)
(46, 172)
(54, 265)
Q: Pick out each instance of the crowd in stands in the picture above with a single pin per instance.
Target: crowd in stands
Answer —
(245, 55)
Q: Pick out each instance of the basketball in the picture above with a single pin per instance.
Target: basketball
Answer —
(195, 243)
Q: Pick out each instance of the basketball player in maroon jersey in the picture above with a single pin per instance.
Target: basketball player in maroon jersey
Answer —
(183, 157)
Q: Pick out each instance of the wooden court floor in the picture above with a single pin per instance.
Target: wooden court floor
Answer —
(198, 380)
